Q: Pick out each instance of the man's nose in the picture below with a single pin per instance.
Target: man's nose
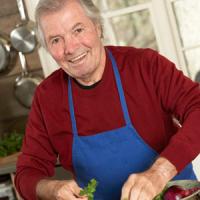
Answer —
(71, 44)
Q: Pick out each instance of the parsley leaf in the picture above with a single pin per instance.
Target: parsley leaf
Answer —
(90, 189)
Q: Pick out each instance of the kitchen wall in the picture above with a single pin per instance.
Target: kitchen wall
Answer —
(13, 115)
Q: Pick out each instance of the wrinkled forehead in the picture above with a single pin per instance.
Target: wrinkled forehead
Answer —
(67, 7)
(64, 19)
(57, 5)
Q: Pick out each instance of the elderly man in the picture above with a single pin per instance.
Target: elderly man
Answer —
(106, 114)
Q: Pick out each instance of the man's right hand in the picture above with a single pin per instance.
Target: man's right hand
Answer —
(58, 190)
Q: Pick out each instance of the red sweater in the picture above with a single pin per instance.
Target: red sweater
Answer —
(154, 91)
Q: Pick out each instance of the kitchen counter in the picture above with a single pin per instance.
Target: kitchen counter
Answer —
(8, 164)
(7, 169)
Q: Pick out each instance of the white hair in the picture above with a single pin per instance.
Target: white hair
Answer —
(46, 6)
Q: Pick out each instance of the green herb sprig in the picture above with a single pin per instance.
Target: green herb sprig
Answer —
(160, 195)
(89, 190)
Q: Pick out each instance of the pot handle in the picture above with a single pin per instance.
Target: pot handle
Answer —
(20, 5)
(23, 63)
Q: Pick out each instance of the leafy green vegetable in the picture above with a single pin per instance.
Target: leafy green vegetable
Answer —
(90, 189)
(10, 143)
(160, 195)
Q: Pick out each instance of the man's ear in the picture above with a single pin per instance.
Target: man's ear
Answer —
(99, 30)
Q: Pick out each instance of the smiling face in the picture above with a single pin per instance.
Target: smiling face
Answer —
(74, 41)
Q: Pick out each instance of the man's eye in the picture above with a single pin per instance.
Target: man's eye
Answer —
(78, 30)
(55, 41)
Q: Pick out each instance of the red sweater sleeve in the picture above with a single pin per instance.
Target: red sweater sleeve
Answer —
(33, 166)
(179, 96)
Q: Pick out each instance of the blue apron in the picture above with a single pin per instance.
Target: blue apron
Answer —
(111, 156)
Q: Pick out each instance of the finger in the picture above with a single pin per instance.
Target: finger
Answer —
(66, 194)
(82, 198)
(146, 194)
(69, 191)
(135, 192)
(72, 196)
(125, 194)
(141, 192)
(74, 187)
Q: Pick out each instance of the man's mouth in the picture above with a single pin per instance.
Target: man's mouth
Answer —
(78, 58)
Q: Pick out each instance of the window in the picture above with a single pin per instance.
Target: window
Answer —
(186, 16)
(128, 22)
(169, 26)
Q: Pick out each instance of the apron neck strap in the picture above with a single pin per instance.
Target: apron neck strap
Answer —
(120, 89)
(71, 108)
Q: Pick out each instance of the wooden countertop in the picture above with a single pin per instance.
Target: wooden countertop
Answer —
(8, 164)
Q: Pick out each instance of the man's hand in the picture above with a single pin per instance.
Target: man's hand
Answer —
(146, 185)
(58, 190)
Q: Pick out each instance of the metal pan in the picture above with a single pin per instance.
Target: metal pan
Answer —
(7, 54)
(23, 37)
(25, 84)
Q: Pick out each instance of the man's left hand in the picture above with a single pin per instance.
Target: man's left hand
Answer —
(146, 185)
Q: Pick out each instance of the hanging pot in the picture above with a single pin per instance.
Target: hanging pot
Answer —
(7, 54)
(23, 37)
(25, 84)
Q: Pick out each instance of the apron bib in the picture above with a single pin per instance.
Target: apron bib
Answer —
(111, 156)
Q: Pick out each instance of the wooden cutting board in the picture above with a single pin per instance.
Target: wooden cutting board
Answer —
(9, 159)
